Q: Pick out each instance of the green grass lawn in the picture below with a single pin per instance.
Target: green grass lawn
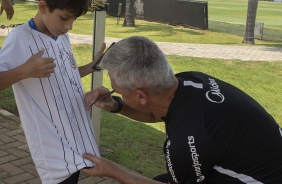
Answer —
(227, 11)
(236, 12)
(138, 146)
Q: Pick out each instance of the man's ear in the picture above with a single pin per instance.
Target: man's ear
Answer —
(143, 96)
(42, 7)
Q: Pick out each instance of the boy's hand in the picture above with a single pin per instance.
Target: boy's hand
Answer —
(38, 67)
(98, 55)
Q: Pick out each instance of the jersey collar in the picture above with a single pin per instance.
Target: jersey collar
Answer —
(33, 26)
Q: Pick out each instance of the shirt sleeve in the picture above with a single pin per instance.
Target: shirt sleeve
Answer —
(14, 50)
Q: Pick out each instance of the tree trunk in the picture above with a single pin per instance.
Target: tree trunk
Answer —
(129, 20)
(251, 20)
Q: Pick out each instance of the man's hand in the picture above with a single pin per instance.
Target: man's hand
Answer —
(103, 167)
(108, 103)
(107, 168)
(8, 7)
(38, 67)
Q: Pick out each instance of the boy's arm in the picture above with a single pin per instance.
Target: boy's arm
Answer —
(35, 66)
(87, 69)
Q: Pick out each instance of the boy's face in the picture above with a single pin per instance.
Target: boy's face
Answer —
(58, 22)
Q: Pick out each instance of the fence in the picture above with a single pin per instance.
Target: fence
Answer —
(239, 30)
(176, 12)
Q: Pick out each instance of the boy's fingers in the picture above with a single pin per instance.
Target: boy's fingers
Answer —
(49, 60)
(39, 53)
(103, 47)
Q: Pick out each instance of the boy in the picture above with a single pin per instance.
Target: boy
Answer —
(49, 93)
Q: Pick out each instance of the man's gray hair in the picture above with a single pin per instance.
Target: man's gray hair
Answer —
(138, 63)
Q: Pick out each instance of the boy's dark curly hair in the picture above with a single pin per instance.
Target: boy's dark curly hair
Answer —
(79, 7)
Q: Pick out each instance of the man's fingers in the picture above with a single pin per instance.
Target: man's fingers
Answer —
(88, 171)
(90, 157)
(87, 156)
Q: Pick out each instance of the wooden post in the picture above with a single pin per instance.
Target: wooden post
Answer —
(97, 78)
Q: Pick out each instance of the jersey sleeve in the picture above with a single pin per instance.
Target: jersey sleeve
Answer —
(14, 50)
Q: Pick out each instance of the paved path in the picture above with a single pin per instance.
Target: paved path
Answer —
(16, 165)
(244, 53)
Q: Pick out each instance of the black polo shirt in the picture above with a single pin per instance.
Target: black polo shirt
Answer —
(217, 134)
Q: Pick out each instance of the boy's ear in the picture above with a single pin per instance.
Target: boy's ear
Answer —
(42, 7)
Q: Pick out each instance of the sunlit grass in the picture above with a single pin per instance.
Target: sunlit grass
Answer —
(236, 12)
(222, 11)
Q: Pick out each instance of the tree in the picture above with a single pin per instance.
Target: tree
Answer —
(251, 20)
(129, 20)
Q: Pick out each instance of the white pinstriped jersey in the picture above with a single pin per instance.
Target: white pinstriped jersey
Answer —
(56, 124)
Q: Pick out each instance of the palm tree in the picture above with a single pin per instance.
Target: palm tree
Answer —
(251, 20)
(129, 20)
